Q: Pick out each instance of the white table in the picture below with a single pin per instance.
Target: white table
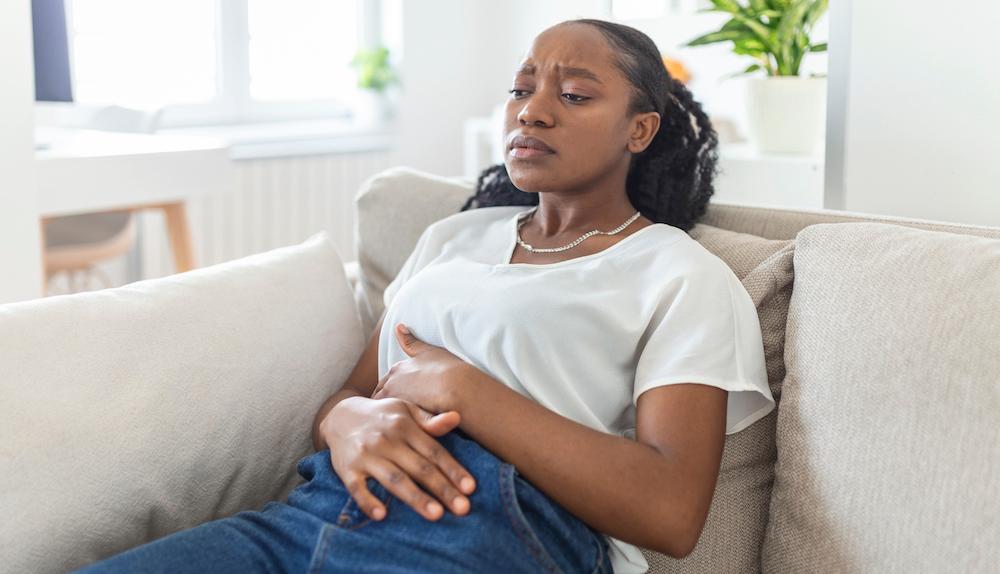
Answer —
(85, 171)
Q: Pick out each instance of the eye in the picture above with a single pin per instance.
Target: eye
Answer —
(573, 98)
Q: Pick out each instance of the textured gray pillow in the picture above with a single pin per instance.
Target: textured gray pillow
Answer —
(888, 448)
(734, 530)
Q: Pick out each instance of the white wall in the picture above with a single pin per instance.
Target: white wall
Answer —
(460, 56)
(920, 95)
(441, 69)
(19, 229)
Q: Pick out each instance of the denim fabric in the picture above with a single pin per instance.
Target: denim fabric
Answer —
(511, 527)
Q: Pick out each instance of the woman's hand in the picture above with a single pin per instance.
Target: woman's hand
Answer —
(429, 377)
(391, 440)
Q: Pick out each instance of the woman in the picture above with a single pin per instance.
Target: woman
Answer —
(573, 362)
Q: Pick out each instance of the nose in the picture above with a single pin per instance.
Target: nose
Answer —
(532, 114)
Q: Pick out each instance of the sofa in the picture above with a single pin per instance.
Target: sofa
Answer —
(134, 412)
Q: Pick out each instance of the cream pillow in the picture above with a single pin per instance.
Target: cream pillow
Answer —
(734, 529)
(888, 448)
(128, 414)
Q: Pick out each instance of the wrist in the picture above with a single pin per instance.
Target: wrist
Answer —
(463, 387)
(344, 394)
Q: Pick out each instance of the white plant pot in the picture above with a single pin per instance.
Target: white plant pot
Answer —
(371, 108)
(786, 114)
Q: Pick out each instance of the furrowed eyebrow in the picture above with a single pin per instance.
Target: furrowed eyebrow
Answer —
(529, 70)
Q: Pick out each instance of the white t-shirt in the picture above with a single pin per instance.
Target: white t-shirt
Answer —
(586, 336)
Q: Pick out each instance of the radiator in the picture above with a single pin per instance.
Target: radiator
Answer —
(274, 202)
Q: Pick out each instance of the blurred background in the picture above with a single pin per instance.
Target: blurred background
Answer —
(145, 137)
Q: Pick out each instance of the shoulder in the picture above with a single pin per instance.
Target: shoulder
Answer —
(682, 256)
(683, 270)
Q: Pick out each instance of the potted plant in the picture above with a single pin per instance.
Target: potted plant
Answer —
(785, 111)
(375, 75)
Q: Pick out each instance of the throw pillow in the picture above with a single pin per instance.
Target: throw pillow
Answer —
(888, 449)
(131, 413)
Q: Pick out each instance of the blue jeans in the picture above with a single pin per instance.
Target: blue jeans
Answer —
(511, 527)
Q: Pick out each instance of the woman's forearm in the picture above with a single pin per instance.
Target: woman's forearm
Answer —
(618, 486)
(347, 391)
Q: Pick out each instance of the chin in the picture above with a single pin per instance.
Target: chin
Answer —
(531, 180)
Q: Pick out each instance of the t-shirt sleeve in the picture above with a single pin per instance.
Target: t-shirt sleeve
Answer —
(705, 330)
(415, 261)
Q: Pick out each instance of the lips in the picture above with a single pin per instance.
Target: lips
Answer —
(530, 142)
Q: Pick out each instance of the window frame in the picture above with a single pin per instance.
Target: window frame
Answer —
(233, 103)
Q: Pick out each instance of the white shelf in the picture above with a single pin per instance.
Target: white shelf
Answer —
(781, 180)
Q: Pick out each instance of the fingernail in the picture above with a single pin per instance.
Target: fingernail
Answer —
(434, 507)
(468, 484)
(460, 502)
(379, 513)
(403, 328)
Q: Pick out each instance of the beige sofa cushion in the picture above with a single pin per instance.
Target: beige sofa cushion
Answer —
(392, 209)
(127, 414)
(888, 448)
(734, 530)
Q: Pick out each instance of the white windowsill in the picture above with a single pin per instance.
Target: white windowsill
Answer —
(296, 138)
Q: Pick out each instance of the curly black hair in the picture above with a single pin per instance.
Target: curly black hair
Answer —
(671, 180)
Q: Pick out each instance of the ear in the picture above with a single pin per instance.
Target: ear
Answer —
(643, 129)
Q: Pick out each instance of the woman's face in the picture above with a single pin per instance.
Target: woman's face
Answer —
(568, 93)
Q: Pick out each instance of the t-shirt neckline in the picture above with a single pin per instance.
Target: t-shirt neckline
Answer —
(512, 234)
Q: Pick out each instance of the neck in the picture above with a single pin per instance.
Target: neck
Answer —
(550, 221)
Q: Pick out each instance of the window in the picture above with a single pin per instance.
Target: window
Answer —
(225, 61)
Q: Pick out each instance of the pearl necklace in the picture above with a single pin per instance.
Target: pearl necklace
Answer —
(574, 243)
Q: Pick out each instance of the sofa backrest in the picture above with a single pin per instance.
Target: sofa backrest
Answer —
(394, 206)
(785, 223)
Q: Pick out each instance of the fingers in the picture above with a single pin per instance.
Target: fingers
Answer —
(400, 451)
(435, 424)
(425, 444)
(379, 385)
(432, 451)
(396, 481)
(432, 478)
(366, 501)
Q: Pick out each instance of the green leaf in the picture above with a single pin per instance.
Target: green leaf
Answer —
(734, 24)
(720, 36)
(771, 14)
(731, 6)
(760, 30)
(797, 62)
(749, 47)
(758, 6)
(790, 23)
(373, 68)
(816, 11)
(751, 68)
(821, 47)
(801, 40)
